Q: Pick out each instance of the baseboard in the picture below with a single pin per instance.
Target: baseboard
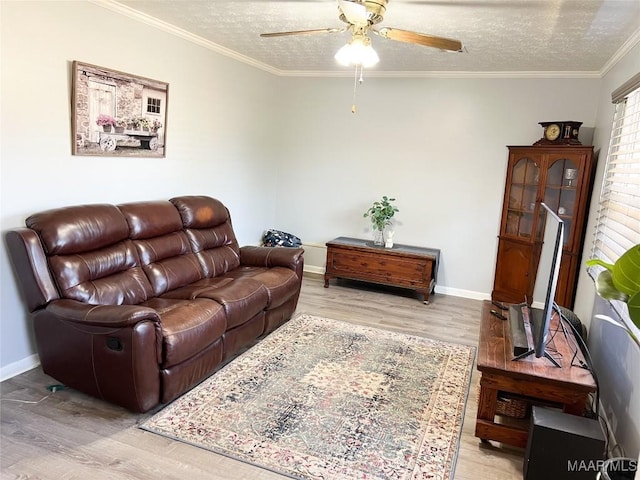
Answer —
(314, 269)
(21, 366)
(315, 256)
(457, 292)
(454, 292)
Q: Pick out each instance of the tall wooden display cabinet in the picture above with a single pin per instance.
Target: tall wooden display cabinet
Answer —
(562, 177)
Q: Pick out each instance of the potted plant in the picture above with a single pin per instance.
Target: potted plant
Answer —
(105, 121)
(135, 122)
(121, 124)
(145, 123)
(156, 125)
(381, 213)
(621, 281)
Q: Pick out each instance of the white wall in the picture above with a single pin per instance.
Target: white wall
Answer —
(616, 357)
(437, 145)
(220, 141)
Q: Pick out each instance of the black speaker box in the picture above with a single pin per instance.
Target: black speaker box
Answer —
(562, 446)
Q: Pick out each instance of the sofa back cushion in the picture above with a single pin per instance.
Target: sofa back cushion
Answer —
(90, 255)
(207, 224)
(162, 245)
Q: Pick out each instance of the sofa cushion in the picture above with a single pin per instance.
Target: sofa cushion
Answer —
(242, 336)
(242, 299)
(195, 289)
(162, 245)
(80, 228)
(200, 211)
(108, 276)
(281, 283)
(208, 226)
(188, 327)
(90, 256)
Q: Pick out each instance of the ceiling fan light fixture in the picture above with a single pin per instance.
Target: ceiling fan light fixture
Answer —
(358, 52)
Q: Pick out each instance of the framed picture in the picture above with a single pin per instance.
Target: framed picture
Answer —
(117, 114)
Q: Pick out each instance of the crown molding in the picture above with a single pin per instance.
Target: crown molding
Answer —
(626, 47)
(179, 32)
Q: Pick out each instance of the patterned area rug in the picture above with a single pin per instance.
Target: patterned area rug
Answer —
(325, 399)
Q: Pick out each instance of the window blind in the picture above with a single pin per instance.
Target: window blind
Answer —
(618, 223)
(625, 89)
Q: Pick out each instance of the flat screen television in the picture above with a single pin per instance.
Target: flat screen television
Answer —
(541, 309)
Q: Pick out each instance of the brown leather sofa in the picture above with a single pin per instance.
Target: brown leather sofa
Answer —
(139, 302)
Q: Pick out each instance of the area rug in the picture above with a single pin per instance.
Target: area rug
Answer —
(326, 399)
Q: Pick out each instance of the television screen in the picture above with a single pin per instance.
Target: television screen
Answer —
(529, 322)
(544, 289)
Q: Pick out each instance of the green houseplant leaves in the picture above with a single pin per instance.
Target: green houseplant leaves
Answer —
(381, 212)
(621, 281)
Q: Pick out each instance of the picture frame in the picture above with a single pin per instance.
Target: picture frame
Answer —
(117, 114)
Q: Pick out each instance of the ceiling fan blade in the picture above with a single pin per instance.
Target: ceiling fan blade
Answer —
(303, 32)
(420, 38)
(355, 13)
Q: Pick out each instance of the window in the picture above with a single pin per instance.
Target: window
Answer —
(618, 223)
(153, 105)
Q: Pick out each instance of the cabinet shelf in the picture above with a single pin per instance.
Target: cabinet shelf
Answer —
(561, 187)
(541, 173)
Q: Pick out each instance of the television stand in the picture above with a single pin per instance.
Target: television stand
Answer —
(523, 321)
(531, 352)
(531, 378)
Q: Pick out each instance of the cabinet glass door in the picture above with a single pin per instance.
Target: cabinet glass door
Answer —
(523, 189)
(560, 192)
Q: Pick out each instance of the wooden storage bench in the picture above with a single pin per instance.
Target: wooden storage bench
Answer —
(403, 266)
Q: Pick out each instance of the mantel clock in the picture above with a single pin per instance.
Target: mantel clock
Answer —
(559, 133)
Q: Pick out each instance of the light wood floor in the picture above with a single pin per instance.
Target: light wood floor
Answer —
(71, 436)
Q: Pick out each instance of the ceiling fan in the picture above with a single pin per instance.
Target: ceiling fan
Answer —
(360, 17)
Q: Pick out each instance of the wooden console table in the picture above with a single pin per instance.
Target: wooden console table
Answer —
(531, 377)
(404, 266)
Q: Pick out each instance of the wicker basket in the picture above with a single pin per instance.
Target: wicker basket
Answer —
(512, 407)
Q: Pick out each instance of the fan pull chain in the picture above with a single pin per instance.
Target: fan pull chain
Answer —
(356, 80)
(355, 86)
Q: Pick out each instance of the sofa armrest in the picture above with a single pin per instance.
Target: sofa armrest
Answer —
(273, 257)
(113, 316)
(31, 268)
(113, 352)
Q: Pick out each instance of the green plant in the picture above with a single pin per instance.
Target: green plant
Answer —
(381, 212)
(621, 281)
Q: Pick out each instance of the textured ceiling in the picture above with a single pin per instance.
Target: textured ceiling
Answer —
(500, 36)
